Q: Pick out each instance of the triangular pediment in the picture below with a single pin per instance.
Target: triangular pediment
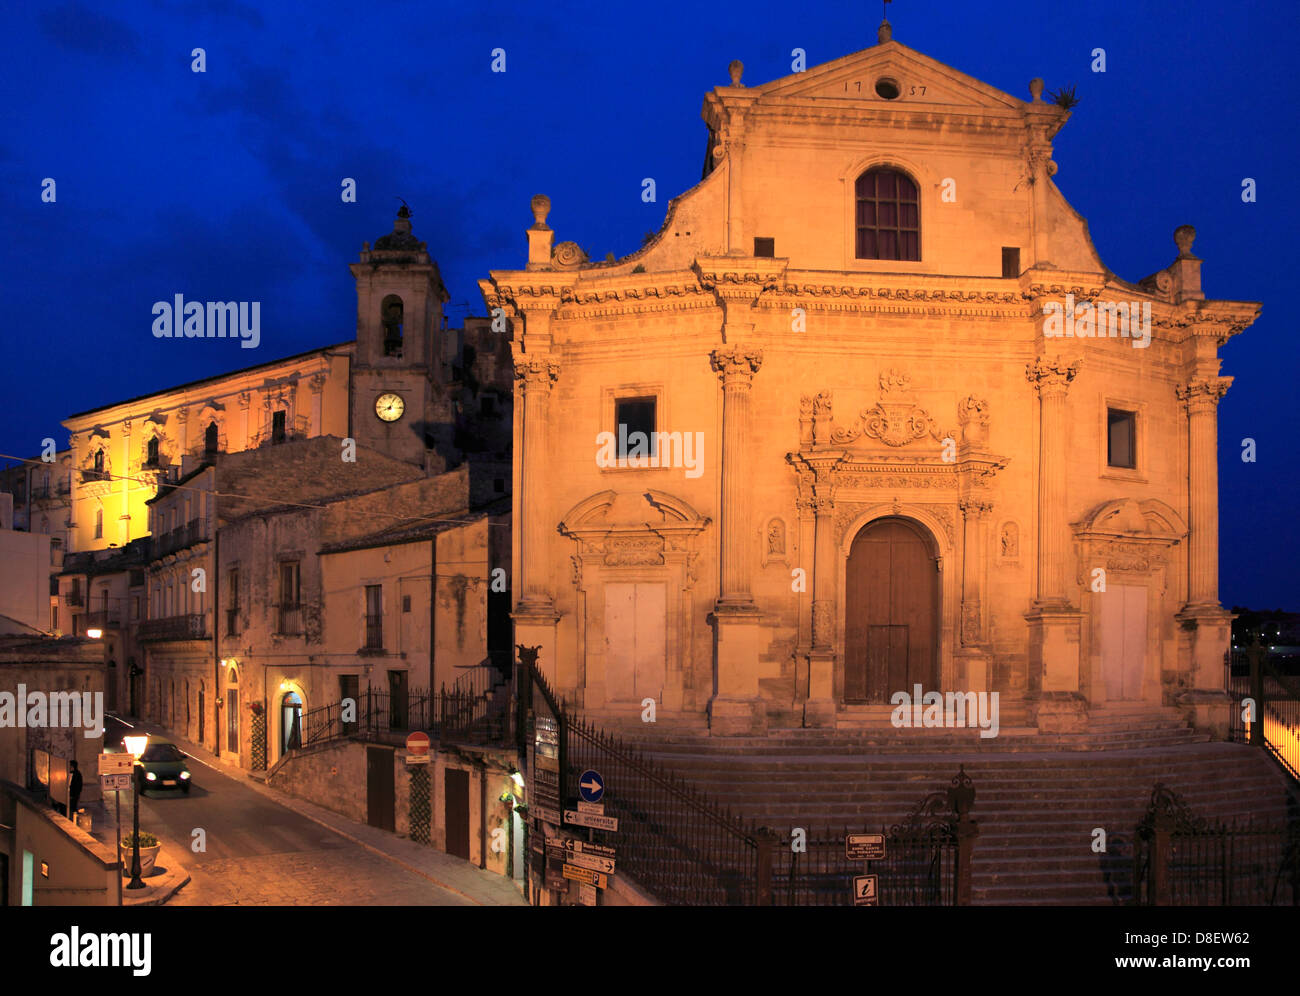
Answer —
(922, 82)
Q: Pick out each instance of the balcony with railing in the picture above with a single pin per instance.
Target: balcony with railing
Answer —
(104, 619)
(186, 627)
(374, 633)
(74, 598)
(92, 476)
(289, 620)
(295, 428)
(179, 538)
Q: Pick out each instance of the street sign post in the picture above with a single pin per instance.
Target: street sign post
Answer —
(864, 890)
(586, 875)
(577, 819)
(590, 861)
(595, 808)
(581, 846)
(417, 748)
(586, 894)
(115, 771)
(591, 786)
(546, 814)
(116, 763)
(865, 846)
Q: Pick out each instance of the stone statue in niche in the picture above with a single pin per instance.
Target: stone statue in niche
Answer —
(776, 538)
(1010, 540)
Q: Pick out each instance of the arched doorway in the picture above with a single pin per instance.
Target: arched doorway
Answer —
(891, 631)
(290, 721)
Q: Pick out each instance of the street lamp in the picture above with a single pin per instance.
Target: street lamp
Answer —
(135, 745)
(94, 634)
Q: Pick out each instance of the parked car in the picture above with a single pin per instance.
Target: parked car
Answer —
(162, 765)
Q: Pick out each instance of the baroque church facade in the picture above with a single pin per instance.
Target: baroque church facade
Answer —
(856, 449)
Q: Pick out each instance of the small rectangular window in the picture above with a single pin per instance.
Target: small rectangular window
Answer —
(765, 247)
(406, 603)
(278, 426)
(1010, 262)
(1121, 439)
(634, 427)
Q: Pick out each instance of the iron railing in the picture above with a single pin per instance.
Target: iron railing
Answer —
(672, 839)
(179, 538)
(1276, 711)
(289, 620)
(186, 627)
(448, 716)
(374, 632)
(1180, 860)
(927, 858)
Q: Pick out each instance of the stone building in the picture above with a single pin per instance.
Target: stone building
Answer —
(868, 412)
(408, 397)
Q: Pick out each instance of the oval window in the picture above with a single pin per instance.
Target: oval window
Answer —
(887, 88)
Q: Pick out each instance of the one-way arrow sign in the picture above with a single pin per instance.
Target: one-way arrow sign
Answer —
(591, 786)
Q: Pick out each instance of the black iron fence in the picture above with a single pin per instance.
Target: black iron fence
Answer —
(1180, 860)
(926, 862)
(1273, 722)
(687, 850)
(446, 715)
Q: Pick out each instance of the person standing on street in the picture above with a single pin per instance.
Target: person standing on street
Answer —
(74, 790)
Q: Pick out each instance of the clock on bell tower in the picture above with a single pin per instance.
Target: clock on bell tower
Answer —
(399, 402)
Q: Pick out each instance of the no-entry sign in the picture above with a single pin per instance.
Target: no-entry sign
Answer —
(417, 744)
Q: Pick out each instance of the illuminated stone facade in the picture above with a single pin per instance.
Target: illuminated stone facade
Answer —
(850, 317)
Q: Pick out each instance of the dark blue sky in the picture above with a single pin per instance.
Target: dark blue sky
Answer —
(225, 185)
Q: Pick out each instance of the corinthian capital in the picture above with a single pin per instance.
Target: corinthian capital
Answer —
(1052, 373)
(736, 364)
(537, 373)
(1203, 395)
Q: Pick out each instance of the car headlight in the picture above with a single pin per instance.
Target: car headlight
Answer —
(150, 776)
(185, 774)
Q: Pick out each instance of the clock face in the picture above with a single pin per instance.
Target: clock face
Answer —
(389, 407)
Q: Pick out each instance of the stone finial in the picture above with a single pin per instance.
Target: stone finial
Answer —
(736, 69)
(1036, 89)
(1184, 236)
(884, 33)
(541, 205)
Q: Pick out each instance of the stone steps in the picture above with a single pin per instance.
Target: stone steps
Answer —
(1036, 810)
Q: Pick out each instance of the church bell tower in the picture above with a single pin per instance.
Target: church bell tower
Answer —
(399, 402)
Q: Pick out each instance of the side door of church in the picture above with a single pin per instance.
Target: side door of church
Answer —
(635, 648)
(1123, 640)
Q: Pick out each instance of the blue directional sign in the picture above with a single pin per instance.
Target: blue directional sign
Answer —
(591, 786)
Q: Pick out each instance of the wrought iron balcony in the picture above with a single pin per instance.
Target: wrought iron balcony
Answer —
(289, 622)
(104, 619)
(187, 627)
(73, 598)
(177, 539)
(89, 476)
(374, 633)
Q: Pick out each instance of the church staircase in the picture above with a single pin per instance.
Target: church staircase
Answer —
(1038, 801)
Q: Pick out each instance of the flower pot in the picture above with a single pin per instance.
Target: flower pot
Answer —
(148, 856)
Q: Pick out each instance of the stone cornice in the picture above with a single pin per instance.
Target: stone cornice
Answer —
(772, 286)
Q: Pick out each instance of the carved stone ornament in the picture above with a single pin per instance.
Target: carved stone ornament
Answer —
(896, 419)
(568, 256)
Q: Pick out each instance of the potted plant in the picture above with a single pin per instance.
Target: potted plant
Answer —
(149, 848)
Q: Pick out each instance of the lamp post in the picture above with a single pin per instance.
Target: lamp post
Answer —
(135, 745)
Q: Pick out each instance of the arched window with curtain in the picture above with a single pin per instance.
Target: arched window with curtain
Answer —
(888, 215)
(211, 438)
